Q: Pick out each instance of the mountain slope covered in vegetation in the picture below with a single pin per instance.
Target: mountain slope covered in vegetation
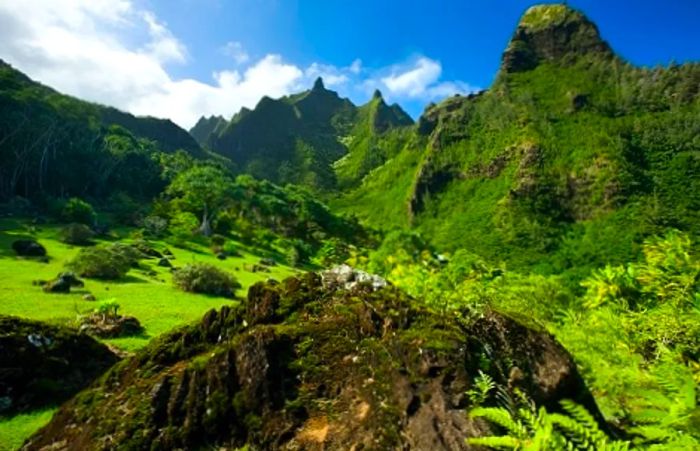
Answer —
(570, 159)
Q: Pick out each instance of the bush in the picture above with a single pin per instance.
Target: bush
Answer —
(155, 226)
(106, 263)
(77, 210)
(207, 279)
(78, 234)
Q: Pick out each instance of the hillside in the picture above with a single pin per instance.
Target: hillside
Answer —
(569, 160)
(298, 139)
(47, 138)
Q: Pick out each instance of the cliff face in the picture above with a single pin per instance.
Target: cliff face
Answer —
(552, 33)
(315, 363)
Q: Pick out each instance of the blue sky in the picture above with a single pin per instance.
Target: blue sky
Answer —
(184, 58)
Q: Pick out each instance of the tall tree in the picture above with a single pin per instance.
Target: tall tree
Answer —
(202, 190)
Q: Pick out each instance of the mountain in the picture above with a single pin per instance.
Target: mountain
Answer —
(206, 126)
(53, 144)
(569, 160)
(298, 138)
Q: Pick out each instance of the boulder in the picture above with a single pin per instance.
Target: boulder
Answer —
(43, 365)
(165, 263)
(28, 248)
(62, 283)
(110, 326)
(306, 365)
(267, 262)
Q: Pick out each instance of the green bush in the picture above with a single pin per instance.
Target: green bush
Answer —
(108, 263)
(77, 234)
(77, 210)
(207, 279)
(155, 226)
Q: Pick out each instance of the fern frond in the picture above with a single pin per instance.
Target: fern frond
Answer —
(503, 442)
(501, 417)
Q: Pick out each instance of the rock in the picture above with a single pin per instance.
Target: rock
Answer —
(110, 327)
(221, 255)
(43, 365)
(89, 297)
(28, 248)
(347, 278)
(62, 283)
(259, 268)
(264, 375)
(267, 262)
(552, 33)
(146, 249)
(168, 253)
(165, 263)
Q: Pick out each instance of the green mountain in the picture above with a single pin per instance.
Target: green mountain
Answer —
(206, 126)
(53, 144)
(299, 138)
(569, 160)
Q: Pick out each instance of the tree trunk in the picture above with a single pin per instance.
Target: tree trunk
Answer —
(205, 228)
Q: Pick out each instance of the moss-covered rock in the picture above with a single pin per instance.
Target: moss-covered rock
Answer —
(42, 365)
(303, 366)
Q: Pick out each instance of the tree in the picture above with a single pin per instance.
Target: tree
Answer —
(202, 190)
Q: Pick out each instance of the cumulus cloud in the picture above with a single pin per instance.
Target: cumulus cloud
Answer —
(117, 53)
(236, 51)
(422, 80)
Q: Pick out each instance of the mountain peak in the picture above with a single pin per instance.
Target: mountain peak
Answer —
(377, 94)
(549, 33)
(318, 85)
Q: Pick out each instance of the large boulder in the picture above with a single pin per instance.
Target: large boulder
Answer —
(42, 365)
(303, 365)
(28, 248)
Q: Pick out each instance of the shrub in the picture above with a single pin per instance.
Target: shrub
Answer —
(107, 263)
(77, 210)
(155, 226)
(207, 279)
(78, 234)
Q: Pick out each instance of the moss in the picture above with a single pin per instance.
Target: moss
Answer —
(541, 16)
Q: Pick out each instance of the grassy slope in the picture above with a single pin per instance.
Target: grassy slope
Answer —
(153, 300)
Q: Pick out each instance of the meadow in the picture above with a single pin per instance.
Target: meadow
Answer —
(146, 292)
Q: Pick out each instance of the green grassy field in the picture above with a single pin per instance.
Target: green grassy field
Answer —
(153, 299)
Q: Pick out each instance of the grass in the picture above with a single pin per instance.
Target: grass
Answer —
(13, 431)
(153, 299)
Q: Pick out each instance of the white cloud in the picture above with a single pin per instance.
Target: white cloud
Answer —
(421, 80)
(356, 66)
(117, 53)
(236, 51)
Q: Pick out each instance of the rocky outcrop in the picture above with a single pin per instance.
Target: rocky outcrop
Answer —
(303, 365)
(43, 365)
(28, 248)
(552, 33)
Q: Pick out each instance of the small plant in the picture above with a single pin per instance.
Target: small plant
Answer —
(483, 385)
(108, 309)
(206, 279)
(77, 234)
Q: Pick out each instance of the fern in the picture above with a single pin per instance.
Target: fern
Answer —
(543, 431)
